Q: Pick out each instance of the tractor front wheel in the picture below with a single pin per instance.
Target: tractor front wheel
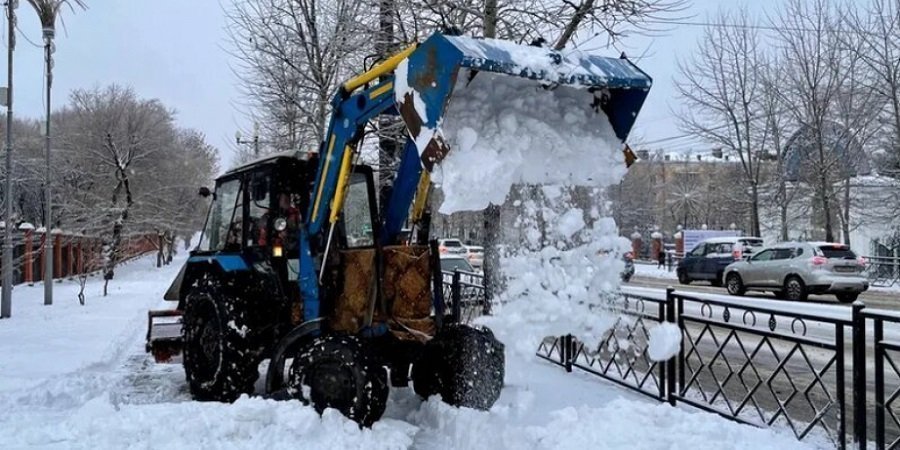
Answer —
(464, 365)
(219, 360)
(335, 371)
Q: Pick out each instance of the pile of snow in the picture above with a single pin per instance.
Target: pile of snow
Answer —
(504, 130)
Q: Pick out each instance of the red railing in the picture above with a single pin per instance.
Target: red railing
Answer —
(72, 254)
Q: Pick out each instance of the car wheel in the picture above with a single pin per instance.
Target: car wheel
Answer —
(683, 277)
(847, 298)
(734, 284)
(795, 289)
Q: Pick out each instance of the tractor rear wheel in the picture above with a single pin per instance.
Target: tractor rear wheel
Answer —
(336, 371)
(464, 365)
(219, 359)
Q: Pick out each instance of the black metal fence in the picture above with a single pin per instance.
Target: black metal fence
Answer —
(886, 343)
(621, 355)
(763, 363)
(464, 295)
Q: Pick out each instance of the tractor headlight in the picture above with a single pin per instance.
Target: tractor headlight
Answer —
(280, 224)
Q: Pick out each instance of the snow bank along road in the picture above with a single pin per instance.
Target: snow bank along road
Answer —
(76, 377)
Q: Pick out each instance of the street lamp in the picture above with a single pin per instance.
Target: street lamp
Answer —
(47, 10)
(254, 140)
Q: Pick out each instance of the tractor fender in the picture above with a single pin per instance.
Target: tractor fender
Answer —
(275, 376)
(226, 269)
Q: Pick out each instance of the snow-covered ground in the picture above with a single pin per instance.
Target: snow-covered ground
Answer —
(76, 376)
(654, 271)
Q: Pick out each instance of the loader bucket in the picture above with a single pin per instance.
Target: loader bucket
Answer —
(443, 65)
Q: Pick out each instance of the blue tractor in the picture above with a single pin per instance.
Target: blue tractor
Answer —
(300, 266)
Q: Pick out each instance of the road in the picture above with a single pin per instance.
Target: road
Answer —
(874, 299)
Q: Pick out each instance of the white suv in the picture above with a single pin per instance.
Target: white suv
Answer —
(451, 247)
(793, 270)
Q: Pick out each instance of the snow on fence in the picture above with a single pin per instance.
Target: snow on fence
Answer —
(812, 369)
(73, 254)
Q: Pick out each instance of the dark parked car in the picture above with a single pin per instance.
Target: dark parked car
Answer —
(707, 261)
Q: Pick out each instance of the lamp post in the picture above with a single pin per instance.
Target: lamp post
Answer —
(49, 34)
(254, 140)
(47, 10)
(6, 295)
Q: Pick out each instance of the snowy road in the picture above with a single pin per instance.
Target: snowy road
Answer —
(77, 377)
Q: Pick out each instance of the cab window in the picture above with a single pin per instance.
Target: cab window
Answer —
(356, 216)
(223, 227)
(260, 206)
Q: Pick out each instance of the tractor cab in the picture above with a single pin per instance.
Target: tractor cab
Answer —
(250, 238)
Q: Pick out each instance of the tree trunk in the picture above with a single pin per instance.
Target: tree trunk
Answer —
(845, 225)
(493, 284)
(115, 243)
(571, 27)
(490, 18)
(826, 208)
(754, 210)
(388, 141)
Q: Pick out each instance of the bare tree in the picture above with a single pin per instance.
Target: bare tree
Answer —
(290, 56)
(612, 18)
(813, 76)
(775, 121)
(119, 131)
(721, 88)
(877, 31)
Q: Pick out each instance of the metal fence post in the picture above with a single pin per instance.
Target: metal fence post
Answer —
(670, 364)
(859, 375)
(567, 352)
(456, 297)
(879, 383)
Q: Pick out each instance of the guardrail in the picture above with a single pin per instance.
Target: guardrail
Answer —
(883, 271)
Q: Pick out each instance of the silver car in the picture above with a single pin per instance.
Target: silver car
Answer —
(794, 270)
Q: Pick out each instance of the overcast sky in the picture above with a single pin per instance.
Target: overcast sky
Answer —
(174, 50)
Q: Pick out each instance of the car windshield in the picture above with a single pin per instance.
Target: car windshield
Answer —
(452, 244)
(451, 264)
(721, 247)
(752, 242)
(837, 252)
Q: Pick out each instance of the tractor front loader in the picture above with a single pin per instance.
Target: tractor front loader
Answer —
(298, 264)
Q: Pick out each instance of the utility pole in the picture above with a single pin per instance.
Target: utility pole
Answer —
(6, 300)
(49, 33)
